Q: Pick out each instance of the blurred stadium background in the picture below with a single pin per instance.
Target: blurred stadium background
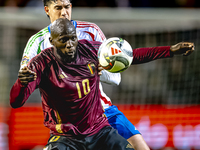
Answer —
(162, 98)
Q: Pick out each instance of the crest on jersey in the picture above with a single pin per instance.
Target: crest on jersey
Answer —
(91, 67)
(25, 60)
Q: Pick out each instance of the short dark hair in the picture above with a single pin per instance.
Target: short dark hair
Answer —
(47, 2)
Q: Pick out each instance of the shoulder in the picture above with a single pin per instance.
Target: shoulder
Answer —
(89, 43)
(47, 55)
(89, 30)
(89, 47)
(88, 26)
(43, 59)
(83, 24)
(37, 38)
(40, 34)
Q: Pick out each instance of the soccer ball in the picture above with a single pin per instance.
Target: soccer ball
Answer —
(115, 55)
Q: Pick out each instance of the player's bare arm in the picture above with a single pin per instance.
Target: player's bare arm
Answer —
(185, 48)
(25, 75)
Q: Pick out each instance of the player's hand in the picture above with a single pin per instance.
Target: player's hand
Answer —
(25, 75)
(184, 48)
(100, 68)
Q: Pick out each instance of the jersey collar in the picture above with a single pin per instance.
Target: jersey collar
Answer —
(74, 23)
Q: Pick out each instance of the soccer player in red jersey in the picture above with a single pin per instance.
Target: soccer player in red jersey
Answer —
(67, 77)
(85, 30)
(90, 31)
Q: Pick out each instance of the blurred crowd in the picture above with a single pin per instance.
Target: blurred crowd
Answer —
(108, 3)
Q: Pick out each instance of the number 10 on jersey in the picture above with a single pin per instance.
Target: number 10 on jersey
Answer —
(86, 88)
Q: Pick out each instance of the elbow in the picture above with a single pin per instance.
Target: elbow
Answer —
(117, 79)
(117, 83)
(15, 105)
(110, 78)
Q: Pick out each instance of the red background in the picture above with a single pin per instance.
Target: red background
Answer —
(26, 129)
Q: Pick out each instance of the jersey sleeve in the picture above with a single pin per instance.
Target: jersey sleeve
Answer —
(110, 78)
(99, 34)
(33, 47)
(19, 93)
(89, 31)
(143, 55)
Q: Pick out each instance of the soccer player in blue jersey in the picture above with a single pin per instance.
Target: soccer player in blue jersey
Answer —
(67, 77)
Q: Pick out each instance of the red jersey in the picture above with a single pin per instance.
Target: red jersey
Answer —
(70, 92)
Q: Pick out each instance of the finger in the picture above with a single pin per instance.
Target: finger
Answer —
(193, 48)
(33, 76)
(187, 53)
(24, 82)
(25, 75)
(26, 72)
(25, 68)
(23, 71)
(30, 78)
(186, 45)
(100, 68)
(99, 73)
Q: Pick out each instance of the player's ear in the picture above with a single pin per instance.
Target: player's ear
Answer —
(46, 9)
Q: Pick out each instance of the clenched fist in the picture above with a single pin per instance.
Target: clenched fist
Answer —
(25, 76)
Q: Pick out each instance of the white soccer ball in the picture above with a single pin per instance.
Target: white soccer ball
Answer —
(115, 55)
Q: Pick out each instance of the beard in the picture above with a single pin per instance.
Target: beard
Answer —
(65, 57)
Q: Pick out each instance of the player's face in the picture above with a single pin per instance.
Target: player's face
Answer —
(59, 9)
(66, 43)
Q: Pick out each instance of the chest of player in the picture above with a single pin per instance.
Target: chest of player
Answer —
(72, 81)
